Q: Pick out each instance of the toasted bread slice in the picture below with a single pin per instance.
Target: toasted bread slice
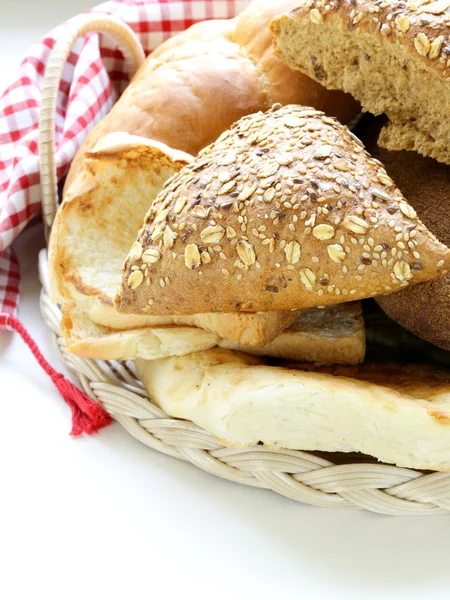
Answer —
(85, 338)
(330, 335)
(399, 414)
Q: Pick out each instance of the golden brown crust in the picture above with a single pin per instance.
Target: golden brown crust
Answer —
(286, 210)
(97, 223)
(195, 85)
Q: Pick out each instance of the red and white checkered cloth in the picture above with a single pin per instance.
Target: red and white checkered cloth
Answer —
(93, 77)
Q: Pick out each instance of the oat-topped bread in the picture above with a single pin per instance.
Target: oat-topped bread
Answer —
(286, 210)
(96, 225)
(394, 57)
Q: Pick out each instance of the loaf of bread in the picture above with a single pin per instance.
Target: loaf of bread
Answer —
(196, 84)
(394, 57)
(286, 210)
(332, 335)
(424, 309)
(96, 225)
(399, 414)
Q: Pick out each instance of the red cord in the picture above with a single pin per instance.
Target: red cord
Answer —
(87, 416)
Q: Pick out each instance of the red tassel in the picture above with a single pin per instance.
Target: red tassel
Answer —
(87, 416)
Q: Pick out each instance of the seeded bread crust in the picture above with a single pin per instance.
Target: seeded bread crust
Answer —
(394, 57)
(96, 224)
(286, 210)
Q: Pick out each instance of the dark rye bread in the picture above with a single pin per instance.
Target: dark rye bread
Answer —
(394, 57)
(286, 210)
(423, 309)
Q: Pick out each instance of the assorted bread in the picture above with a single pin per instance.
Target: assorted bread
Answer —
(394, 57)
(174, 97)
(332, 335)
(96, 225)
(285, 210)
(236, 224)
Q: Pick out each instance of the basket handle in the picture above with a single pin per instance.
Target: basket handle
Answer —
(133, 52)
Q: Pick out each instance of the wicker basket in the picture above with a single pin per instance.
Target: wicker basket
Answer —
(303, 476)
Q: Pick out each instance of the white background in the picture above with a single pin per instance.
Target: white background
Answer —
(105, 517)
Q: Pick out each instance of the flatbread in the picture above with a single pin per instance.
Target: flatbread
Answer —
(399, 414)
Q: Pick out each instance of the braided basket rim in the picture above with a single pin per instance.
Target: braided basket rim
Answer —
(302, 476)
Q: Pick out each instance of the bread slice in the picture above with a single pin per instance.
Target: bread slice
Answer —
(399, 414)
(97, 223)
(330, 335)
(424, 309)
(86, 339)
(406, 136)
(391, 56)
(286, 210)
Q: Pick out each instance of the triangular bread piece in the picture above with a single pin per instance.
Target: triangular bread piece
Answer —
(391, 56)
(332, 335)
(97, 223)
(286, 210)
(397, 413)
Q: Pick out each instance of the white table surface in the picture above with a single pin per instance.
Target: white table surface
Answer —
(105, 517)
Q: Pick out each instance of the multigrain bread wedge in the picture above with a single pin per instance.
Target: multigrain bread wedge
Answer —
(397, 413)
(333, 335)
(197, 83)
(424, 309)
(286, 210)
(392, 56)
(97, 223)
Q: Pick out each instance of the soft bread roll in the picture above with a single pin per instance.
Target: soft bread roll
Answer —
(286, 210)
(424, 309)
(331, 335)
(196, 84)
(391, 56)
(96, 224)
(397, 413)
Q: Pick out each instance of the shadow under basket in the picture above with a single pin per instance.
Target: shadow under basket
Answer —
(314, 478)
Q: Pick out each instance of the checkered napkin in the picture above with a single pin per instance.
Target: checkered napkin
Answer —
(93, 78)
